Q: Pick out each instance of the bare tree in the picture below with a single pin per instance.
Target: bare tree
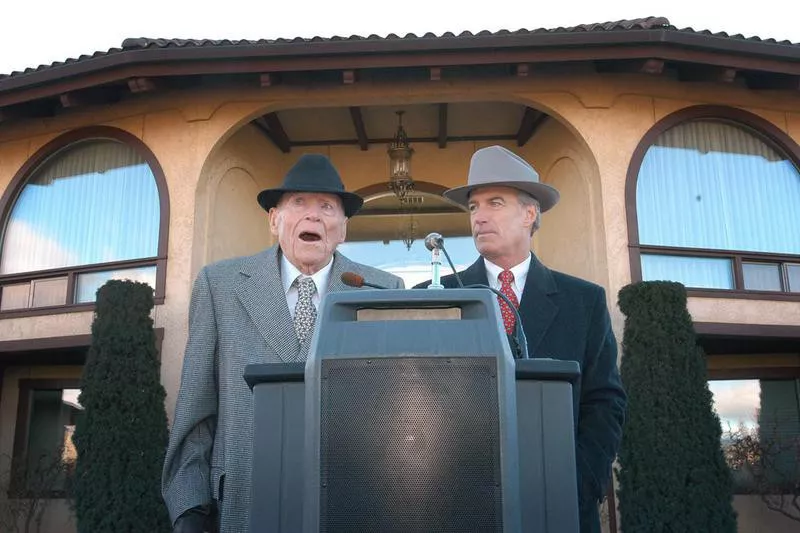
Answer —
(30, 486)
(767, 464)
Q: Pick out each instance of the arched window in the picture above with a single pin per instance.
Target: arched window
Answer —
(389, 235)
(84, 212)
(716, 205)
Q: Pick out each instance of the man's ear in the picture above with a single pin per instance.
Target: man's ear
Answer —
(344, 230)
(273, 221)
(530, 216)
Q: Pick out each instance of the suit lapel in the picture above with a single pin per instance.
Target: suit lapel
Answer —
(261, 279)
(537, 308)
(475, 274)
(340, 265)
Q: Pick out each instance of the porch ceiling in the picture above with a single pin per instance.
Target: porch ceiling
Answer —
(435, 123)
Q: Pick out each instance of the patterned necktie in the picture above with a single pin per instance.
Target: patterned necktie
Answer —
(305, 314)
(506, 278)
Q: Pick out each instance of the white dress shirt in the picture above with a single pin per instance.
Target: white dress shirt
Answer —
(520, 272)
(289, 273)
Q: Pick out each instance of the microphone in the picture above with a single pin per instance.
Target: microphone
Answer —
(352, 279)
(435, 241)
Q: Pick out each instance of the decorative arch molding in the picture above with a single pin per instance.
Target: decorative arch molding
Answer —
(426, 187)
(755, 125)
(51, 149)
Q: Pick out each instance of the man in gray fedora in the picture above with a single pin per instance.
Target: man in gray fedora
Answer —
(256, 309)
(563, 317)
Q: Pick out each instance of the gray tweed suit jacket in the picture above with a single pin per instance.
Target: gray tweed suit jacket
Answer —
(237, 316)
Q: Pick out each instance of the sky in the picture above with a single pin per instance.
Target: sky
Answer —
(35, 32)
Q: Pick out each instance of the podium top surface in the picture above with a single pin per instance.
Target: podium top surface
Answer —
(526, 369)
(408, 297)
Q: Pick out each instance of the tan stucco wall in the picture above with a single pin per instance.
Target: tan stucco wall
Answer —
(213, 167)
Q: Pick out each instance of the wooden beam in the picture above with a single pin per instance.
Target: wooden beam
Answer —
(651, 66)
(270, 125)
(706, 73)
(523, 70)
(348, 77)
(531, 121)
(361, 131)
(74, 99)
(143, 85)
(442, 125)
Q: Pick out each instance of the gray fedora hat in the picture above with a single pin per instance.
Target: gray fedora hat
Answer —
(495, 166)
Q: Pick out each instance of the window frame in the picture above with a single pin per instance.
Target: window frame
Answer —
(755, 125)
(20, 180)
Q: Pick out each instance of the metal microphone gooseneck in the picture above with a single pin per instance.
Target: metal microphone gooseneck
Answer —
(433, 243)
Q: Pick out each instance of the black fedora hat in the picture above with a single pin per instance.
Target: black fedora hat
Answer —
(312, 173)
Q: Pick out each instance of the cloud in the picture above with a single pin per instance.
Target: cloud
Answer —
(26, 249)
(736, 402)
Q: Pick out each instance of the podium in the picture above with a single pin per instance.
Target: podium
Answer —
(411, 415)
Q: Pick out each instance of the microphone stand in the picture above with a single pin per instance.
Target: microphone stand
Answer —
(436, 263)
(519, 340)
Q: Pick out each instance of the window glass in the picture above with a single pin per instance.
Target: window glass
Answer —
(793, 273)
(93, 202)
(762, 276)
(695, 272)
(88, 283)
(50, 454)
(760, 422)
(712, 185)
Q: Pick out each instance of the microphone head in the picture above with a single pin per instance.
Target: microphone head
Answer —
(434, 240)
(352, 279)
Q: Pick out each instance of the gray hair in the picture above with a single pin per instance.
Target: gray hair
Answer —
(526, 200)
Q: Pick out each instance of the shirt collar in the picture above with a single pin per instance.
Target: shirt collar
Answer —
(289, 273)
(520, 272)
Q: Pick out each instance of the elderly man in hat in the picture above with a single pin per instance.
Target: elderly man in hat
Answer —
(246, 310)
(563, 317)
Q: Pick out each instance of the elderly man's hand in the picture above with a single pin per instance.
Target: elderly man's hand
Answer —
(196, 520)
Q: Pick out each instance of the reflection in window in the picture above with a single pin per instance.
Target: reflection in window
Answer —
(793, 275)
(711, 185)
(94, 202)
(762, 276)
(413, 265)
(760, 422)
(700, 272)
(88, 283)
(49, 456)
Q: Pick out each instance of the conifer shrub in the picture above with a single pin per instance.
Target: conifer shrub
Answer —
(121, 436)
(672, 472)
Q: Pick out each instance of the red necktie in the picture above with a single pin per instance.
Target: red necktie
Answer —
(506, 278)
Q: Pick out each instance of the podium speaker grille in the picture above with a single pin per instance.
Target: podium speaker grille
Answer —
(410, 444)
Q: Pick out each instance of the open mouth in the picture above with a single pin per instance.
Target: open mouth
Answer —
(309, 236)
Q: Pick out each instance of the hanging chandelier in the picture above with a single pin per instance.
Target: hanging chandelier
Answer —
(400, 152)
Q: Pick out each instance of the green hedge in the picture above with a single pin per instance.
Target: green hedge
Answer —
(672, 474)
(122, 435)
